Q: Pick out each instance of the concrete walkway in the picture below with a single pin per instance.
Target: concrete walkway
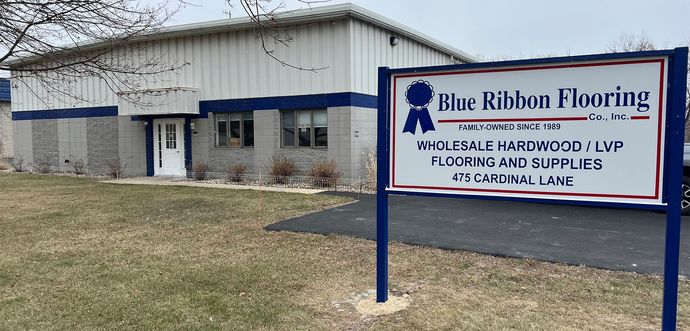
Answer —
(168, 181)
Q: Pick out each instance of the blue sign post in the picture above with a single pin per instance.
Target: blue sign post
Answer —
(582, 121)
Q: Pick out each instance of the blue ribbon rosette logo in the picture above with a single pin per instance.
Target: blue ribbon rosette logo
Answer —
(419, 95)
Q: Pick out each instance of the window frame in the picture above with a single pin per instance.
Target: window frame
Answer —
(312, 130)
(227, 129)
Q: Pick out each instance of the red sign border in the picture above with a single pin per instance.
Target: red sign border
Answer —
(661, 62)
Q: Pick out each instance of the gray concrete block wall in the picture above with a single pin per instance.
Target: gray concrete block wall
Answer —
(71, 143)
(267, 144)
(96, 141)
(302, 157)
(22, 133)
(266, 138)
(6, 130)
(351, 136)
(102, 143)
(45, 143)
(220, 158)
(132, 145)
(339, 148)
(200, 136)
(363, 139)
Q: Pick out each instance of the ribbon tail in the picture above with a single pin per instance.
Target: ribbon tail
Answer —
(411, 122)
(425, 121)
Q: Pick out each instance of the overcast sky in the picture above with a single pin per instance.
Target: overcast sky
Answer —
(525, 28)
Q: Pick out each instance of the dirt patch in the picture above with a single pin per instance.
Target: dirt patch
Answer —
(367, 304)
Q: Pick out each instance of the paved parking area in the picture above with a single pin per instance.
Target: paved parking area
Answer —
(616, 239)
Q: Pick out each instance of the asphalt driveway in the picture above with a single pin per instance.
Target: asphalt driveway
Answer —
(615, 239)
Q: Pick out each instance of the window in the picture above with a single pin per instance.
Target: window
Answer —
(222, 130)
(248, 129)
(235, 129)
(304, 128)
(288, 128)
(320, 129)
(235, 139)
(170, 136)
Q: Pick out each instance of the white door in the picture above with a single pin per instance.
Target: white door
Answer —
(169, 147)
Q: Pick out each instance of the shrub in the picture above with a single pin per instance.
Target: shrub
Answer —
(200, 169)
(42, 166)
(18, 163)
(324, 174)
(235, 172)
(78, 166)
(115, 168)
(282, 168)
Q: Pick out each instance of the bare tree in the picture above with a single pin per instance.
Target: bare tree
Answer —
(629, 42)
(263, 14)
(55, 43)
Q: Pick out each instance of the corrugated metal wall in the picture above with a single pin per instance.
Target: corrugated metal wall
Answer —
(225, 65)
(371, 49)
(233, 65)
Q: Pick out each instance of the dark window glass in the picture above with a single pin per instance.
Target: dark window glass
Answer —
(320, 128)
(235, 136)
(248, 129)
(222, 130)
(321, 137)
(288, 128)
(304, 125)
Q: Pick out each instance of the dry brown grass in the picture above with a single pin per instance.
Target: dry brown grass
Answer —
(81, 254)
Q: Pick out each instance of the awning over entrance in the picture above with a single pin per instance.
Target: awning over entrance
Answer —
(166, 101)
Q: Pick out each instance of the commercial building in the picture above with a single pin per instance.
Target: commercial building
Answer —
(6, 145)
(231, 103)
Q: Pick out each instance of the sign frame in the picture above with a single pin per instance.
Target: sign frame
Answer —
(677, 60)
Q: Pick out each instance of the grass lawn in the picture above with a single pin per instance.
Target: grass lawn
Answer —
(75, 253)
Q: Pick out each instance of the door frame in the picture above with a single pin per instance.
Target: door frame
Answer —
(157, 144)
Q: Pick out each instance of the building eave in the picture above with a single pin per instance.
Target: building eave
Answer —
(301, 16)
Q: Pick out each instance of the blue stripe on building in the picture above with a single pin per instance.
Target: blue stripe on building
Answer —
(344, 99)
(5, 90)
(149, 147)
(308, 101)
(64, 113)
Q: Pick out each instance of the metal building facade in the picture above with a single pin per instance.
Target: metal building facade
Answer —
(224, 70)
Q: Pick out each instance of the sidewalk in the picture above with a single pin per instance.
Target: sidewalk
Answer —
(168, 181)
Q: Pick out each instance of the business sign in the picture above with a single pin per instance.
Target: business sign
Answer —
(587, 131)
(591, 130)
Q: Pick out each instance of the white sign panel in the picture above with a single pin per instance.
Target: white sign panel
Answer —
(590, 131)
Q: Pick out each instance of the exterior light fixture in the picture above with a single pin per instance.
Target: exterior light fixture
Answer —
(394, 40)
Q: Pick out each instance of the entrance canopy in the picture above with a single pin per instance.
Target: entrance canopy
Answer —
(166, 101)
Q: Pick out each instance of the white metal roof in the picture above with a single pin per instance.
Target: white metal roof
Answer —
(295, 17)
(312, 15)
